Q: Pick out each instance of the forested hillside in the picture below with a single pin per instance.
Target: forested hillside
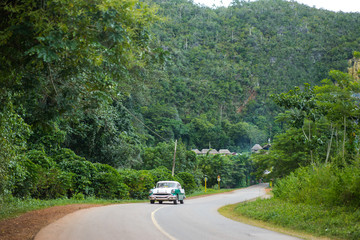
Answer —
(223, 64)
(94, 93)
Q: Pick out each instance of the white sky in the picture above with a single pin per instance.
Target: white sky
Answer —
(333, 5)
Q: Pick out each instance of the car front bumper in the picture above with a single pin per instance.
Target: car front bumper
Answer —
(162, 197)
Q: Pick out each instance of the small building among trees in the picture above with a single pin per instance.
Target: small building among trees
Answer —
(256, 148)
(213, 152)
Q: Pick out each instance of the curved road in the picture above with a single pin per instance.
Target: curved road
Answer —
(196, 219)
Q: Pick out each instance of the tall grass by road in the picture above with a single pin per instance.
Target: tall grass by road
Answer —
(317, 220)
(321, 200)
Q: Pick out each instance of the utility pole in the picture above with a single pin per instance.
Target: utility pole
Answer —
(173, 166)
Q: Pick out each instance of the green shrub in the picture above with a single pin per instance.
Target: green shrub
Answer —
(43, 180)
(109, 184)
(325, 184)
(23, 178)
(139, 182)
(78, 196)
(188, 181)
(84, 172)
(48, 180)
(164, 174)
(337, 222)
(40, 158)
(347, 188)
(65, 154)
(161, 174)
(14, 133)
(52, 183)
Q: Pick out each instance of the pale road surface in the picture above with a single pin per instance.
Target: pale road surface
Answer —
(195, 219)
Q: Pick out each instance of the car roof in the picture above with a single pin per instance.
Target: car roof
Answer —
(168, 182)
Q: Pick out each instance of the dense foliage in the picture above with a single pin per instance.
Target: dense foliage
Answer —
(322, 126)
(93, 94)
(317, 159)
(326, 185)
(223, 64)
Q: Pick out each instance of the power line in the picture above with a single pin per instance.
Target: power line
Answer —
(143, 123)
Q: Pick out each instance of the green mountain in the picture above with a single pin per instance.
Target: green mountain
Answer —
(223, 64)
(88, 83)
(108, 79)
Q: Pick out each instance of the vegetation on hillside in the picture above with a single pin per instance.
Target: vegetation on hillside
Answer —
(223, 64)
(93, 95)
(322, 125)
(316, 162)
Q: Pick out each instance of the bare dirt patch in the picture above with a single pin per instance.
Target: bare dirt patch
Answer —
(26, 226)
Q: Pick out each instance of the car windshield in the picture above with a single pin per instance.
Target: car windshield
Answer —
(166, 185)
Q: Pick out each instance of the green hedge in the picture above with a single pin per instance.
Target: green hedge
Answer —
(38, 175)
(188, 181)
(326, 184)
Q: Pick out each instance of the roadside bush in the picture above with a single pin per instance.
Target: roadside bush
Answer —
(84, 172)
(14, 133)
(325, 184)
(161, 174)
(43, 180)
(188, 181)
(47, 179)
(336, 222)
(23, 177)
(108, 183)
(67, 154)
(40, 158)
(78, 196)
(52, 183)
(347, 188)
(139, 182)
(164, 174)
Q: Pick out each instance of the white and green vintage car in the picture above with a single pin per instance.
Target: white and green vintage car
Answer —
(167, 191)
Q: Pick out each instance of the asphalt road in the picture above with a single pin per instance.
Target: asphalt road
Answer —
(195, 219)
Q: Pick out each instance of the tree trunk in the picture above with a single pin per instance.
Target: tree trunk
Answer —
(311, 152)
(173, 166)
(329, 145)
(343, 155)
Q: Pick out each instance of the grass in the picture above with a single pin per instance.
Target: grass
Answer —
(12, 207)
(209, 191)
(301, 220)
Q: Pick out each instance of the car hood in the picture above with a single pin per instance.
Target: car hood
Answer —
(162, 190)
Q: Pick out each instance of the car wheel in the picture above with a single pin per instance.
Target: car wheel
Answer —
(152, 201)
(160, 202)
(176, 200)
(182, 201)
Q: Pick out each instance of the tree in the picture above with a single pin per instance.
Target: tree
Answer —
(162, 156)
(233, 170)
(61, 60)
(288, 152)
(339, 99)
(13, 135)
(165, 121)
(321, 114)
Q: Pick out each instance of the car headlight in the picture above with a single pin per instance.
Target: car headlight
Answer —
(172, 191)
(150, 192)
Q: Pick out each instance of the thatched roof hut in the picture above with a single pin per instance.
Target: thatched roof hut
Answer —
(224, 152)
(213, 151)
(256, 148)
(196, 151)
(205, 151)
